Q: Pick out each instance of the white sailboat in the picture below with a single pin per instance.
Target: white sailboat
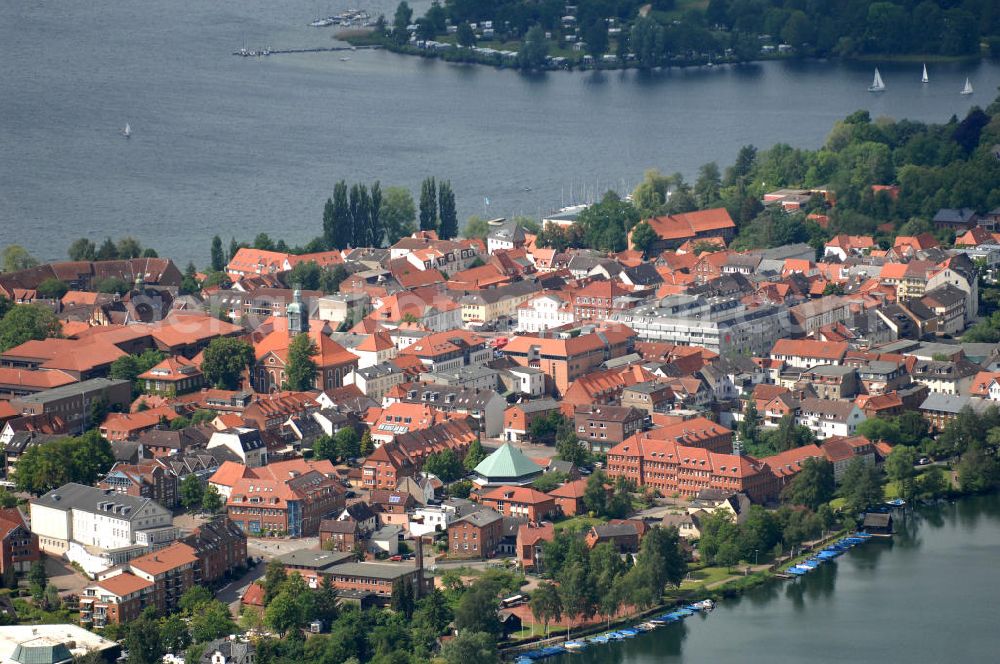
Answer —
(877, 84)
(924, 79)
(967, 90)
(127, 131)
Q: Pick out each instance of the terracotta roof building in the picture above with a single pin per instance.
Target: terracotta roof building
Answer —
(672, 468)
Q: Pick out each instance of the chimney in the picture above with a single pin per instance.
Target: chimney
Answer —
(418, 590)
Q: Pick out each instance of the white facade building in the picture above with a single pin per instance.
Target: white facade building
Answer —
(544, 312)
(105, 523)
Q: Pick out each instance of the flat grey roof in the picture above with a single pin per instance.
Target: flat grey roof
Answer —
(71, 390)
(314, 559)
(384, 571)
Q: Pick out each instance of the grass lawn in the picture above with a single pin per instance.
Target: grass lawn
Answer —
(578, 522)
(705, 576)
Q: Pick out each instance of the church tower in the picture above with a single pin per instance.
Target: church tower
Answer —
(298, 315)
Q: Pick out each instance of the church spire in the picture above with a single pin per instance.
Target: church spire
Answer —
(298, 314)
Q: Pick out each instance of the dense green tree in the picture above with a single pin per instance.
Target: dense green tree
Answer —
(446, 465)
(978, 472)
(218, 258)
(347, 443)
(474, 455)
(748, 428)
(534, 49)
(225, 360)
(899, 468)
(367, 447)
(359, 204)
(402, 18)
(194, 597)
(274, 576)
(465, 36)
(325, 447)
(644, 238)
(812, 486)
(448, 216)
(15, 257)
(191, 491)
(174, 634)
(595, 495)
(708, 185)
(142, 639)
(428, 205)
(300, 373)
(861, 486)
(787, 436)
(54, 463)
(399, 214)
(82, 249)
(113, 285)
(128, 367)
(107, 251)
(26, 322)
(376, 230)
(338, 232)
(37, 579)
(651, 194)
(129, 247)
(212, 620)
(478, 647)
(305, 275)
(477, 610)
(401, 599)
(606, 224)
(52, 289)
(660, 563)
(595, 37)
(570, 449)
(212, 500)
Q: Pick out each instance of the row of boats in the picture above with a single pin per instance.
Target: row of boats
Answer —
(878, 85)
(346, 18)
(829, 553)
(617, 635)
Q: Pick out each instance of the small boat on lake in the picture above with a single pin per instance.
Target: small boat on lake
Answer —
(877, 84)
(127, 131)
(967, 90)
(924, 79)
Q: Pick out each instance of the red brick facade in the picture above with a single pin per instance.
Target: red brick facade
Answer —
(677, 469)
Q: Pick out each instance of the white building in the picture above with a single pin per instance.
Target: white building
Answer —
(530, 381)
(504, 235)
(431, 519)
(108, 524)
(544, 312)
(376, 348)
(827, 417)
(244, 442)
(721, 326)
(376, 380)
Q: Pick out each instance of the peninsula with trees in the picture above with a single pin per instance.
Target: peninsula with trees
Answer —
(589, 34)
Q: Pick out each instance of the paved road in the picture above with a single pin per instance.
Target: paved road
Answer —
(233, 591)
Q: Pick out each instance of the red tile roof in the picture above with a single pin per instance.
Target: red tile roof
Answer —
(124, 584)
(166, 559)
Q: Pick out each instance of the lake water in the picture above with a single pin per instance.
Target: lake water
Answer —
(236, 146)
(927, 596)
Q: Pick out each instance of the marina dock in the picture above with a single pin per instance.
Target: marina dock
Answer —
(260, 52)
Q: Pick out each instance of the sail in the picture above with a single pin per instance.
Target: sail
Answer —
(967, 90)
(877, 83)
(924, 79)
